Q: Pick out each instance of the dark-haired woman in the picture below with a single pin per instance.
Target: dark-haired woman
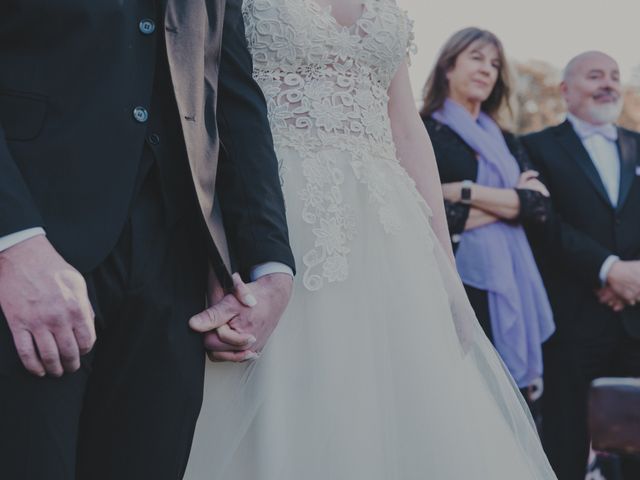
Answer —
(490, 192)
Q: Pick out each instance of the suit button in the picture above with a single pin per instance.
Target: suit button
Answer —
(147, 26)
(140, 114)
(154, 139)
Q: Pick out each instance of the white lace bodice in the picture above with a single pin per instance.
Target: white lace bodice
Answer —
(326, 89)
(320, 76)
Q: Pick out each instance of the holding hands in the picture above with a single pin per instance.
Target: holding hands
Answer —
(623, 285)
(607, 296)
(237, 325)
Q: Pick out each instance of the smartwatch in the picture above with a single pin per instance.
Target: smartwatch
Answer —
(465, 192)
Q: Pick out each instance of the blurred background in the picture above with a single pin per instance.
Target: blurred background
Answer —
(539, 38)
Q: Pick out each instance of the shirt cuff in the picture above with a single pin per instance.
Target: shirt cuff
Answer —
(12, 239)
(606, 266)
(269, 268)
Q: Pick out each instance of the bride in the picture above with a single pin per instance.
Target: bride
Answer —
(378, 369)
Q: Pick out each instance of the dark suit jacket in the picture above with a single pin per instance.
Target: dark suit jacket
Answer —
(584, 228)
(71, 74)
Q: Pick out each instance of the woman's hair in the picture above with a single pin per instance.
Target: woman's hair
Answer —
(436, 89)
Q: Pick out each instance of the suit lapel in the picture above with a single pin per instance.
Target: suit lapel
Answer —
(194, 39)
(571, 143)
(627, 148)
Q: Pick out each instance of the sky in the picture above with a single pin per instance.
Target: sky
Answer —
(547, 30)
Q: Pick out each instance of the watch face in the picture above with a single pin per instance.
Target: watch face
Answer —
(465, 194)
(465, 191)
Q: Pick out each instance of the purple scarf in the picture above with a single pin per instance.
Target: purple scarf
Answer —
(497, 257)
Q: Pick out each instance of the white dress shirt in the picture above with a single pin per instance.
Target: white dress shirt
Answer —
(15, 238)
(601, 145)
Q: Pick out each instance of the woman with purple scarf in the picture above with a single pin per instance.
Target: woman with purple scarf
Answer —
(490, 194)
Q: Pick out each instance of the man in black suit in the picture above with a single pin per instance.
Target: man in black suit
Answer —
(112, 204)
(589, 255)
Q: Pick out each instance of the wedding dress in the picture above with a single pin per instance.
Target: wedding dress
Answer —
(378, 370)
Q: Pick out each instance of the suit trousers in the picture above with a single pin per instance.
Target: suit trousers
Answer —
(130, 411)
(570, 366)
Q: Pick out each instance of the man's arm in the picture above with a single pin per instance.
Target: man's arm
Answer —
(17, 209)
(567, 245)
(12, 239)
(248, 184)
(578, 251)
(238, 325)
(43, 298)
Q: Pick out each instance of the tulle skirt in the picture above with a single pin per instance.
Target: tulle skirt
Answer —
(380, 374)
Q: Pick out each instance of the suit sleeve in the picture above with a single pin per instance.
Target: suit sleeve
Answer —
(248, 183)
(562, 242)
(18, 210)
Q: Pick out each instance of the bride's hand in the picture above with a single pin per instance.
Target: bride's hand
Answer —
(238, 326)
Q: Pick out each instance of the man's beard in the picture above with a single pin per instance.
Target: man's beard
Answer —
(606, 112)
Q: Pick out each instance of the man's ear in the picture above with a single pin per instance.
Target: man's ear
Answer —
(563, 89)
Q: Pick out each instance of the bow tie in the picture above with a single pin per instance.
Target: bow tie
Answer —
(609, 131)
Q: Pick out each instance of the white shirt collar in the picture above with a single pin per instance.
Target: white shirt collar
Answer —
(586, 129)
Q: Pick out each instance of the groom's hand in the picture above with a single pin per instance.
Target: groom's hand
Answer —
(250, 315)
(45, 302)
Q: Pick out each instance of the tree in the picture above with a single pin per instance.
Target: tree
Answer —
(630, 117)
(537, 102)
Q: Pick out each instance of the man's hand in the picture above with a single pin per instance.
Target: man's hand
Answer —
(45, 302)
(624, 280)
(607, 296)
(238, 326)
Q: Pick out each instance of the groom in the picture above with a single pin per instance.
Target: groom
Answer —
(115, 118)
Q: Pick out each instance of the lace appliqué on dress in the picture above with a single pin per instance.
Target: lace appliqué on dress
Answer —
(323, 206)
(326, 90)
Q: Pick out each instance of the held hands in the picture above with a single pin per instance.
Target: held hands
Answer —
(238, 325)
(45, 302)
(607, 296)
(623, 281)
